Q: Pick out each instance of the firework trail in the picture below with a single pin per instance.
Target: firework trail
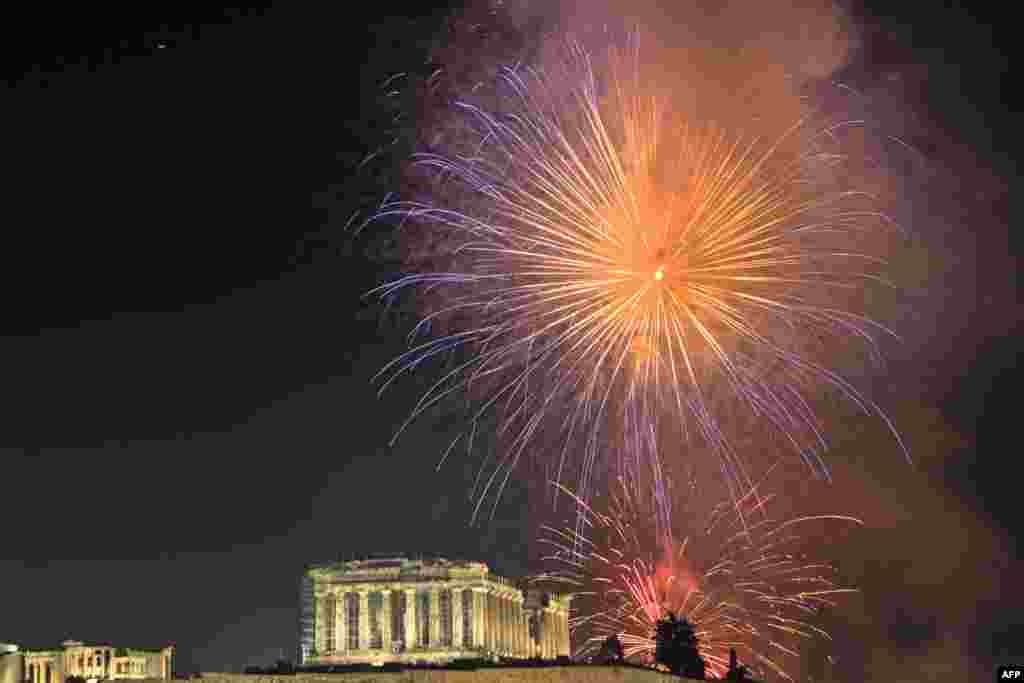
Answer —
(737, 579)
(610, 274)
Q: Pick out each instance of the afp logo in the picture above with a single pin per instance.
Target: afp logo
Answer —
(1010, 673)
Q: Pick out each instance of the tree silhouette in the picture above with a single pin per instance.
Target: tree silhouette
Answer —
(737, 672)
(611, 651)
(676, 647)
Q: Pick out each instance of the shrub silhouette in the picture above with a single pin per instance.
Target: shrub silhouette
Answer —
(611, 651)
(737, 672)
(676, 647)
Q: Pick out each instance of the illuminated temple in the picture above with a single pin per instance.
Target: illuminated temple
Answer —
(411, 611)
(96, 662)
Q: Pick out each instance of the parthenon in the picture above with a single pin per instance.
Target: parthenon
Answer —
(408, 611)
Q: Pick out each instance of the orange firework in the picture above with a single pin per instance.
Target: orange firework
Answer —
(614, 273)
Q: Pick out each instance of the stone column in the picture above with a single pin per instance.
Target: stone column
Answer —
(456, 607)
(332, 636)
(531, 650)
(317, 620)
(560, 649)
(435, 617)
(528, 648)
(505, 623)
(549, 632)
(364, 619)
(553, 629)
(385, 617)
(319, 630)
(520, 631)
(478, 617)
(410, 618)
(353, 626)
(499, 603)
(341, 622)
(554, 634)
(515, 625)
(540, 632)
(568, 634)
(560, 630)
(484, 614)
(553, 640)
(520, 628)
(518, 625)
(545, 634)
(489, 621)
(499, 616)
(527, 643)
(561, 634)
(496, 621)
(502, 644)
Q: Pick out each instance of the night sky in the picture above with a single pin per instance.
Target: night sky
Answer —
(187, 413)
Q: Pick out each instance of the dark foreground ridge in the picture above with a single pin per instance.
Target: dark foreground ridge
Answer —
(464, 672)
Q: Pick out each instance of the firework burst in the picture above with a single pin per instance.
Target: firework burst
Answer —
(612, 274)
(737, 579)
